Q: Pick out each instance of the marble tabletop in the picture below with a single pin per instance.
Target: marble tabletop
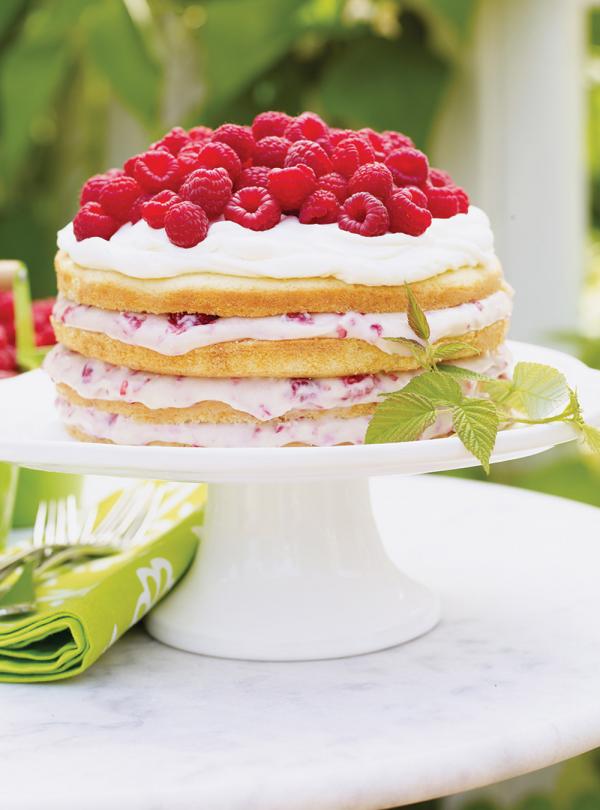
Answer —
(507, 683)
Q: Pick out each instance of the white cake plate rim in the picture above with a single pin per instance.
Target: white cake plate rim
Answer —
(30, 435)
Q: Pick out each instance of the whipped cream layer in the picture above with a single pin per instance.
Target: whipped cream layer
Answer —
(173, 335)
(292, 250)
(321, 432)
(261, 398)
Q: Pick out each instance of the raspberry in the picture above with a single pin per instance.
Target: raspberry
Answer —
(44, 334)
(416, 194)
(377, 141)
(156, 169)
(291, 186)
(135, 213)
(408, 166)
(406, 216)
(129, 165)
(307, 126)
(345, 159)
(188, 158)
(270, 123)
(252, 176)
(337, 135)
(186, 224)
(238, 138)
(208, 188)
(182, 321)
(90, 191)
(271, 151)
(335, 183)
(463, 199)
(215, 154)
(310, 154)
(321, 207)
(8, 360)
(118, 196)
(3, 337)
(364, 214)
(173, 141)
(441, 201)
(438, 177)
(372, 177)
(254, 208)
(7, 314)
(92, 220)
(366, 153)
(396, 140)
(155, 209)
(200, 133)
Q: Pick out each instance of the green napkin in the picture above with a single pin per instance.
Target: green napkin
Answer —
(83, 610)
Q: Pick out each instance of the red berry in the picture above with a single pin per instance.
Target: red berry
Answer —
(416, 194)
(208, 188)
(188, 158)
(463, 199)
(129, 165)
(92, 220)
(321, 207)
(438, 177)
(336, 135)
(8, 360)
(406, 216)
(239, 138)
(186, 224)
(3, 337)
(309, 154)
(7, 314)
(135, 213)
(345, 158)
(252, 176)
(408, 166)
(372, 177)
(291, 186)
(335, 183)
(308, 126)
(173, 141)
(156, 169)
(270, 123)
(253, 207)
(377, 141)
(366, 153)
(215, 154)
(200, 133)
(118, 196)
(44, 334)
(441, 201)
(155, 209)
(90, 191)
(396, 140)
(271, 151)
(364, 214)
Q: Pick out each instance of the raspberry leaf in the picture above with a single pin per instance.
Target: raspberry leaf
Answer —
(440, 389)
(476, 423)
(419, 352)
(416, 317)
(447, 351)
(400, 418)
(460, 373)
(540, 390)
(591, 437)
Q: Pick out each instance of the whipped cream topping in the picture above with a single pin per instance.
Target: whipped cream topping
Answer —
(178, 334)
(261, 398)
(321, 432)
(292, 250)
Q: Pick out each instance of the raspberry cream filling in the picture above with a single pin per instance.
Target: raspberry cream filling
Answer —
(179, 334)
(261, 398)
(292, 250)
(321, 432)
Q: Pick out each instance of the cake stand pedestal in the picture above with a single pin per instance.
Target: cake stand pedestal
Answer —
(290, 566)
(290, 572)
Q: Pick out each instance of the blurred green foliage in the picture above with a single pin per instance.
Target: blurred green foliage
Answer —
(74, 72)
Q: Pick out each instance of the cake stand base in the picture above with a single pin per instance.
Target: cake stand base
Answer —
(292, 571)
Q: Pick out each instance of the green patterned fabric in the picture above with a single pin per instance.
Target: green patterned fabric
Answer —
(83, 610)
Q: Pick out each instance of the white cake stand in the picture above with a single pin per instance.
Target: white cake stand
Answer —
(291, 565)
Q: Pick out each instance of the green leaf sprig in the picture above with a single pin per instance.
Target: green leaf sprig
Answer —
(536, 395)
